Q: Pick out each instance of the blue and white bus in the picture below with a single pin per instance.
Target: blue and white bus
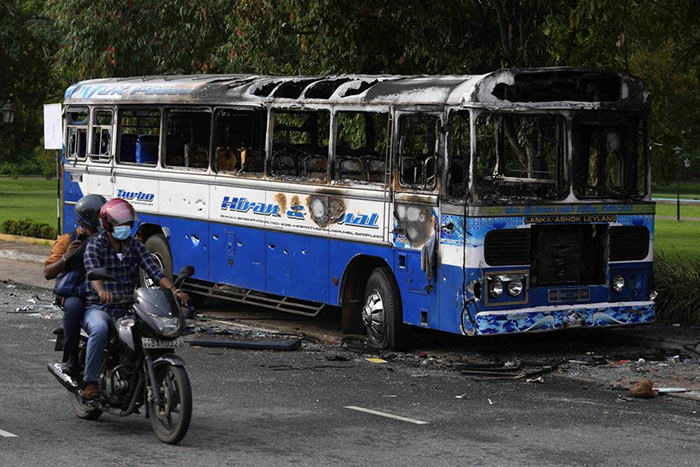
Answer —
(514, 201)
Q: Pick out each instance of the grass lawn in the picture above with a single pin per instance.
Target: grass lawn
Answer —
(33, 198)
(678, 241)
(669, 209)
(688, 190)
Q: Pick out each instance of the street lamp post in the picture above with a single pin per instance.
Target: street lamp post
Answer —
(7, 116)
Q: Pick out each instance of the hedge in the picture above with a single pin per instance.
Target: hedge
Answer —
(678, 286)
(28, 228)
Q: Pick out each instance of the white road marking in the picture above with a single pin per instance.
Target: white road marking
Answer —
(6, 434)
(388, 415)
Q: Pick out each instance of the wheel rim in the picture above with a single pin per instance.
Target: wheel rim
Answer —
(169, 412)
(373, 316)
(147, 281)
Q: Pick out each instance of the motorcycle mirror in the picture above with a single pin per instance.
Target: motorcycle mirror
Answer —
(99, 274)
(186, 271)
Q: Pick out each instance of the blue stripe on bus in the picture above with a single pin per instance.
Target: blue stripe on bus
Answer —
(304, 267)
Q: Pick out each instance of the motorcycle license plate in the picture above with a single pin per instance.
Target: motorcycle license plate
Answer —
(152, 343)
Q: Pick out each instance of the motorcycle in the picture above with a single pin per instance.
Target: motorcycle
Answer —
(139, 367)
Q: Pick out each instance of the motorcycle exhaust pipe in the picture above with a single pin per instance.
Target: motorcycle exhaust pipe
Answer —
(65, 380)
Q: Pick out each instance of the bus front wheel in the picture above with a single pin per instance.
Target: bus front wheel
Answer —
(157, 245)
(381, 312)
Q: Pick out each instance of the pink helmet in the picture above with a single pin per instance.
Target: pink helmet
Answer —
(116, 212)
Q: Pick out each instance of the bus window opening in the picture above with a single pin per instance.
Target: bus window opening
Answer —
(240, 142)
(77, 123)
(361, 147)
(101, 150)
(139, 136)
(187, 139)
(300, 145)
(419, 142)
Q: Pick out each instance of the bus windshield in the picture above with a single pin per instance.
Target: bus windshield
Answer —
(520, 156)
(523, 156)
(608, 158)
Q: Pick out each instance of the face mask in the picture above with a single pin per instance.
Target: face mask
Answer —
(121, 232)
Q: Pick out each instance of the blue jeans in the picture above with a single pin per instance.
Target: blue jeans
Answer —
(96, 322)
(73, 308)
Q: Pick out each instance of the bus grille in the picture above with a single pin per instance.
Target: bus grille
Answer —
(629, 243)
(568, 255)
(507, 247)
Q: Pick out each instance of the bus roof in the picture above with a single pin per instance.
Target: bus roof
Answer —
(543, 87)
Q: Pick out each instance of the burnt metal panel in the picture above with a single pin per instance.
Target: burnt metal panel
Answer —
(629, 243)
(507, 247)
(568, 254)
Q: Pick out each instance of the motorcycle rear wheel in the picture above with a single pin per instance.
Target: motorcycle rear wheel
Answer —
(82, 409)
(171, 419)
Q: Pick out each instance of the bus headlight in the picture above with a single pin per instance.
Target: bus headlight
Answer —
(618, 283)
(495, 287)
(515, 287)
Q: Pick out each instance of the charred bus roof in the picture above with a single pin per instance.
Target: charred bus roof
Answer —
(543, 88)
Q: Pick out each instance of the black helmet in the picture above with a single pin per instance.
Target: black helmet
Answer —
(87, 211)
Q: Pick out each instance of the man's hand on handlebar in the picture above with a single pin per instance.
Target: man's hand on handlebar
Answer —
(106, 297)
(182, 296)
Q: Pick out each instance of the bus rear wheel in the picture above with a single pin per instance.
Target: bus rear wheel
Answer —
(381, 312)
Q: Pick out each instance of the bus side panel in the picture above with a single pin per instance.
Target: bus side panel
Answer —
(68, 218)
(342, 253)
(418, 295)
(188, 242)
(237, 256)
(296, 265)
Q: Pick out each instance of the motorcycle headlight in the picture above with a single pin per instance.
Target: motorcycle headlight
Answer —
(495, 287)
(168, 327)
(618, 283)
(515, 287)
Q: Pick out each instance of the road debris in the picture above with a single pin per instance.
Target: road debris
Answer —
(375, 360)
(538, 379)
(281, 344)
(643, 390)
(670, 390)
(462, 396)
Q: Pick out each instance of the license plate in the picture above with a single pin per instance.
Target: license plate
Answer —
(151, 343)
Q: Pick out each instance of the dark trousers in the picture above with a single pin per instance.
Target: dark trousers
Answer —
(73, 311)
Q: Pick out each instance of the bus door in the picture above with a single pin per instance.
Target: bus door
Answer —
(416, 215)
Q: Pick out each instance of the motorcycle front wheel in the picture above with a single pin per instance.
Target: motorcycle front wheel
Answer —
(82, 409)
(171, 419)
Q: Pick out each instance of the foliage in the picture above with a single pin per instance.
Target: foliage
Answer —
(678, 286)
(28, 228)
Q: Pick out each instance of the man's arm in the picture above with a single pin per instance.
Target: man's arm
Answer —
(91, 260)
(156, 273)
(57, 260)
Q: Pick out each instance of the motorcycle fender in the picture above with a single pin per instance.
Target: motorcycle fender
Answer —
(169, 358)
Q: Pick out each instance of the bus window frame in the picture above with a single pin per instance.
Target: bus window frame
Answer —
(99, 158)
(213, 159)
(397, 147)
(86, 126)
(291, 108)
(166, 110)
(128, 107)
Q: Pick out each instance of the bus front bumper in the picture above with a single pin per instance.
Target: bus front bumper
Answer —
(550, 318)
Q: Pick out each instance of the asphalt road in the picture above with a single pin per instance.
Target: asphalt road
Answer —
(289, 408)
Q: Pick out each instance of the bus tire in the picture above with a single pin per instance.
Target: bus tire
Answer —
(158, 246)
(381, 311)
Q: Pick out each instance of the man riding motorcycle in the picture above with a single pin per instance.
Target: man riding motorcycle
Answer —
(66, 265)
(122, 255)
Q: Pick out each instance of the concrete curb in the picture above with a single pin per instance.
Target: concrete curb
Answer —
(15, 255)
(20, 239)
